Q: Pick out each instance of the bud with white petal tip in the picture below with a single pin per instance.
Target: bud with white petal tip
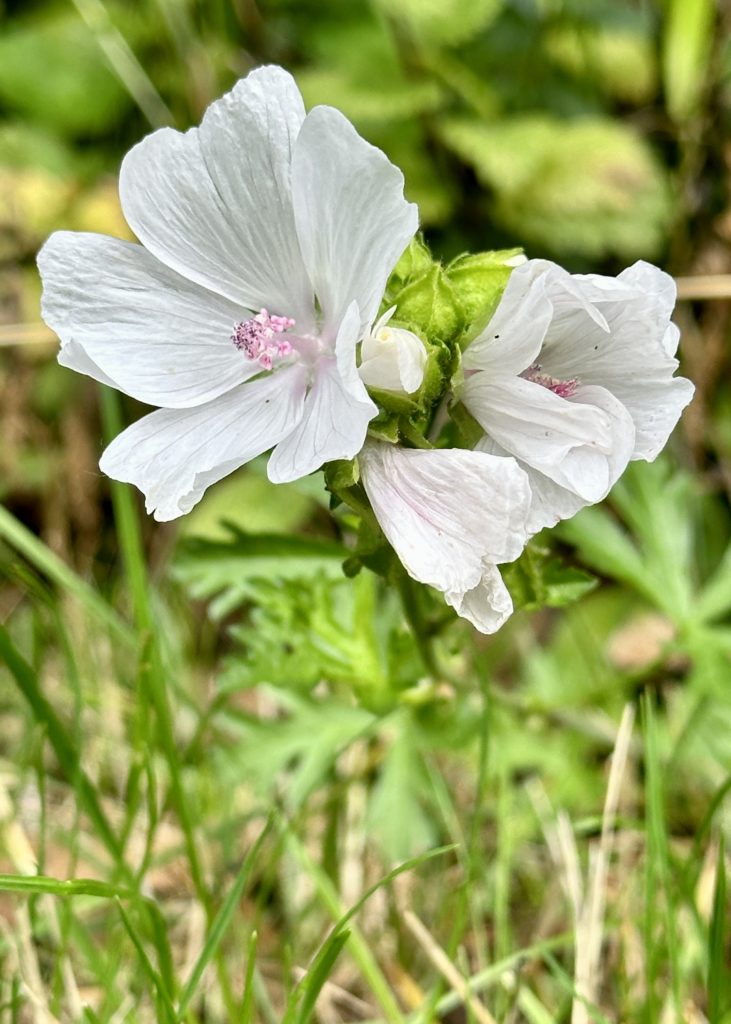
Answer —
(392, 358)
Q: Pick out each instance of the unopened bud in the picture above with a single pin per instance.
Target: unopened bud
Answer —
(392, 358)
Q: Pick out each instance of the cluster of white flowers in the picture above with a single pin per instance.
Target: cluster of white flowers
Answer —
(248, 315)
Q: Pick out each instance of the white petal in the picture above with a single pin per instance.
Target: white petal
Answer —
(550, 503)
(128, 320)
(576, 442)
(352, 219)
(336, 414)
(447, 512)
(655, 407)
(582, 478)
(411, 360)
(487, 605)
(173, 455)
(634, 359)
(648, 279)
(73, 356)
(512, 340)
(381, 370)
(215, 203)
(671, 339)
(531, 422)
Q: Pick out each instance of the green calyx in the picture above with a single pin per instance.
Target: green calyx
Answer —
(446, 307)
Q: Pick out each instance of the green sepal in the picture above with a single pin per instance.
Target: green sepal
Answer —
(470, 430)
(430, 306)
(478, 281)
(395, 402)
(340, 475)
(415, 261)
(372, 550)
(385, 425)
(413, 430)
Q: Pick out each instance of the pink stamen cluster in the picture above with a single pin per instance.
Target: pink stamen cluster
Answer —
(562, 388)
(257, 338)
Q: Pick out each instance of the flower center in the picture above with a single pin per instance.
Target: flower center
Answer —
(562, 388)
(259, 338)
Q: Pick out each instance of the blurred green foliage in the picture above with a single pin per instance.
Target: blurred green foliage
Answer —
(537, 121)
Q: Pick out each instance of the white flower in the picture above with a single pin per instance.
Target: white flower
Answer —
(451, 515)
(267, 239)
(573, 376)
(392, 358)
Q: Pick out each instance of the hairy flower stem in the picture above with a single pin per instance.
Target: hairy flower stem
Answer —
(409, 592)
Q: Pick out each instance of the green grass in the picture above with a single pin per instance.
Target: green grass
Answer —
(189, 898)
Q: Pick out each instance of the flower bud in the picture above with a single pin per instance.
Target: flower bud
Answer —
(392, 358)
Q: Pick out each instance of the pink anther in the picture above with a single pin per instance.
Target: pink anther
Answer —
(256, 338)
(562, 388)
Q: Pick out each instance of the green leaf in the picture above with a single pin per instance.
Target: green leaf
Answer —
(52, 71)
(590, 186)
(269, 751)
(266, 507)
(389, 97)
(714, 601)
(396, 812)
(618, 58)
(346, 51)
(539, 579)
(444, 22)
(608, 549)
(407, 145)
(27, 146)
(656, 503)
(227, 569)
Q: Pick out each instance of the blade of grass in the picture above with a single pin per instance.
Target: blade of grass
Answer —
(567, 984)
(33, 884)
(20, 538)
(123, 62)
(160, 938)
(247, 1002)
(357, 945)
(152, 975)
(406, 865)
(65, 751)
(493, 974)
(154, 673)
(220, 924)
(444, 964)
(718, 972)
(313, 982)
(135, 568)
(658, 878)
